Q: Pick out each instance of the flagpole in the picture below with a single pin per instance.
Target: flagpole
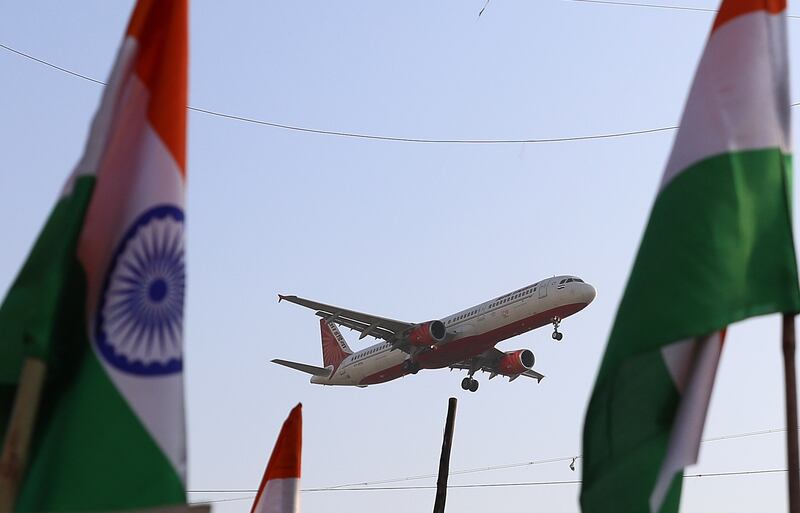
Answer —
(19, 430)
(791, 411)
(444, 461)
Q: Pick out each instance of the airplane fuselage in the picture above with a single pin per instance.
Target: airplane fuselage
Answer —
(470, 332)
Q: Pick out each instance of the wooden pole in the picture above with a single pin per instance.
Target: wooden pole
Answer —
(444, 460)
(791, 412)
(19, 430)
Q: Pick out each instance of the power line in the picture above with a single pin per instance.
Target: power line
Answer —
(511, 484)
(223, 500)
(745, 435)
(611, 135)
(541, 462)
(524, 483)
(355, 135)
(59, 68)
(458, 472)
(434, 141)
(401, 479)
(449, 487)
(631, 4)
(655, 6)
(371, 484)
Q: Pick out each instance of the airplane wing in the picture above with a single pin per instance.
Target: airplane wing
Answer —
(368, 325)
(487, 362)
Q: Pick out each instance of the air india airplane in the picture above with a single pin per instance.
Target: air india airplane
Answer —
(464, 340)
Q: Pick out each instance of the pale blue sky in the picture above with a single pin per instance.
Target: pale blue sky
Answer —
(401, 230)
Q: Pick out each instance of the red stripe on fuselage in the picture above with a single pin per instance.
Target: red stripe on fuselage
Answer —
(383, 376)
(468, 347)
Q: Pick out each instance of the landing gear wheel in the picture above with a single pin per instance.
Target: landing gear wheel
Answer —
(465, 383)
(557, 335)
(473, 386)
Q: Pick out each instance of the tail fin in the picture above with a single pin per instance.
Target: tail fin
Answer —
(334, 346)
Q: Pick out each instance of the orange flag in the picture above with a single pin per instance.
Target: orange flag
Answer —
(280, 486)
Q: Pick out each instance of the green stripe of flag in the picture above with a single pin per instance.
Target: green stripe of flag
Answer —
(718, 248)
(33, 310)
(41, 300)
(92, 452)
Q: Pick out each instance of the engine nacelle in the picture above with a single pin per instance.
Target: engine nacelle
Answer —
(516, 362)
(427, 333)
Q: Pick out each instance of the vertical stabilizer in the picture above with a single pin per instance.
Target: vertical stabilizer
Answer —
(334, 346)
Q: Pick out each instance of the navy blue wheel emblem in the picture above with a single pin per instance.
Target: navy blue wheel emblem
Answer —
(139, 321)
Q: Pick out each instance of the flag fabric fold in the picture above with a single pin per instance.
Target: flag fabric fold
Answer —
(280, 486)
(100, 298)
(717, 249)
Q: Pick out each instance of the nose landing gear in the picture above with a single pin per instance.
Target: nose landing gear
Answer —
(470, 383)
(557, 335)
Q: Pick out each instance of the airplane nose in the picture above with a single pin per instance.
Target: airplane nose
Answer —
(589, 293)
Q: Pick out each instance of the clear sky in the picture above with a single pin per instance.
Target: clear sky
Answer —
(408, 231)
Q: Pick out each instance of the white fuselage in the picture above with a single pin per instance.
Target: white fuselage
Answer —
(470, 332)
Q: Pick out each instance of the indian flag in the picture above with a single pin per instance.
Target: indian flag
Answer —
(717, 249)
(280, 486)
(100, 298)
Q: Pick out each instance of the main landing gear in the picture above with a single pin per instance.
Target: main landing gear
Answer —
(410, 366)
(470, 383)
(557, 335)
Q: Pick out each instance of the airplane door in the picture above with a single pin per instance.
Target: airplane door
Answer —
(543, 289)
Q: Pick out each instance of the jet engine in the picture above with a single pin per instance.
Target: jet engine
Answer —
(516, 362)
(427, 333)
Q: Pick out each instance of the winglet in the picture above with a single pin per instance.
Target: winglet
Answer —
(281, 298)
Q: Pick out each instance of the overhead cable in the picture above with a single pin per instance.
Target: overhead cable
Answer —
(655, 6)
(512, 484)
(493, 467)
(540, 462)
(522, 483)
(354, 135)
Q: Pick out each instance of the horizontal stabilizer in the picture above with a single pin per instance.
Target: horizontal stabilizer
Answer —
(302, 367)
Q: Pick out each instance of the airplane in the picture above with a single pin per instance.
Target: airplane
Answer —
(465, 340)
